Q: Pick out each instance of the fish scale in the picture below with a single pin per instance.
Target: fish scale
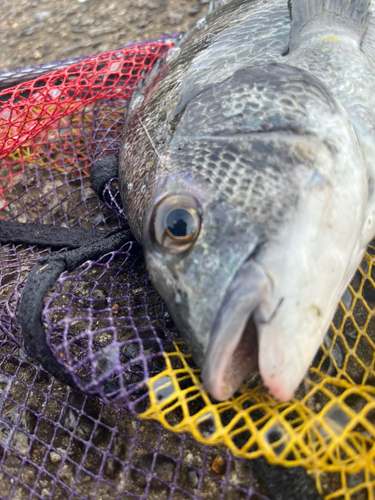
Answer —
(238, 183)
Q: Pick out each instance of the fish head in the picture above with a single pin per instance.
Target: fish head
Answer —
(254, 228)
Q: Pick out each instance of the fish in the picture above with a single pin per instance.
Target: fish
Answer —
(247, 173)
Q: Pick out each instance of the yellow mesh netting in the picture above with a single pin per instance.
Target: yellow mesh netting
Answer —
(329, 427)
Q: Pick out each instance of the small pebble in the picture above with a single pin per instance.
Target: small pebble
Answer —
(192, 479)
(175, 17)
(194, 11)
(98, 294)
(338, 355)
(20, 443)
(22, 218)
(55, 457)
(42, 15)
(28, 31)
(143, 23)
(99, 31)
(131, 350)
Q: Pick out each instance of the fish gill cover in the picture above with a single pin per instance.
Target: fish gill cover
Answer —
(105, 323)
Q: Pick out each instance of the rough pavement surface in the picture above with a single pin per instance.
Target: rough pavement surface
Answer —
(38, 31)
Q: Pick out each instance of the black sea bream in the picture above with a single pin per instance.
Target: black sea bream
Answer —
(247, 174)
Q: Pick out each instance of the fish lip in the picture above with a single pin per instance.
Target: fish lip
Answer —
(232, 352)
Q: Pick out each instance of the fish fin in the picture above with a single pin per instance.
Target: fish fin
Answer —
(352, 15)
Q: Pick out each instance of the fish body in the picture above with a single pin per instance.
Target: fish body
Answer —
(247, 174)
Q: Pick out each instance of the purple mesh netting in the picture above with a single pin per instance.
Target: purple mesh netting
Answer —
(103, 321)
(57, 443)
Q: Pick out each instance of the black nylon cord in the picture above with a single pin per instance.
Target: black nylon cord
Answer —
(39, 281)
(102, 172)
(58, 237)
(51, 236)
(87, 244)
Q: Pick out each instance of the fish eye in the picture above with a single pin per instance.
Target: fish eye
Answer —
(180, 223)
(176, 222)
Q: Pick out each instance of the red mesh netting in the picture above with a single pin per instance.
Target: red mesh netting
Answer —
(30, 108)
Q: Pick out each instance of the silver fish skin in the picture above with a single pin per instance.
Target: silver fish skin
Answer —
(247, 173)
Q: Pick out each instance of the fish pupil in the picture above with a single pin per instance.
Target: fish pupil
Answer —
(180, 223)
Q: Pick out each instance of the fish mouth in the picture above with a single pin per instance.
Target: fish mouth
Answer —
(232, 352)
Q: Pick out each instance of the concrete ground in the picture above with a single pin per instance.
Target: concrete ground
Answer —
(37, 31)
